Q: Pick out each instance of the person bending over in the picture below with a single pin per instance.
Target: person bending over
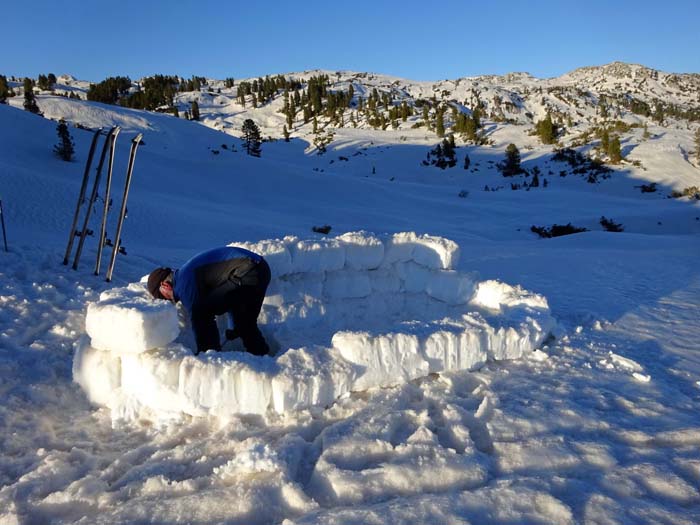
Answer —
(223, 280)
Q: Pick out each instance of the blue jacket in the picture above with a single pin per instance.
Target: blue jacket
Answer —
(195, 282)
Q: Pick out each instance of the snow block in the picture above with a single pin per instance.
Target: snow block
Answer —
(498, 296)
(414, 277)
(275, 251)
(342, 314)
(433, 252)
(384, 281)
(363, 251)
(450, 349)
(345, 285)
(450, 287)
(310, 377)
(128, 320)
(154, 376)
(383, 359)
(313, 256)
(97, 372)
(221, 384)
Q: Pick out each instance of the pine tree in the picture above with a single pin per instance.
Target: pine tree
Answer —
(251, 138)
(195, 110)
(29, 99)
(285, 132)
(697, 145)
(440, 123)
(42, 82)
(476, 117)
(467, 161)
(65, 147)
(604, 140)
(470, 129)
(659, 115)
(614, 150)
(511, 165)
(546, 130)
(404, 111)
(291, 111)
(4, 89)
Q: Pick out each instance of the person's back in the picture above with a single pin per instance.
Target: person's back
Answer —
(223, 280)
(197, 278)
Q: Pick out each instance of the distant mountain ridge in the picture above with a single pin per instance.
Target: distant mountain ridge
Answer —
(580, 102)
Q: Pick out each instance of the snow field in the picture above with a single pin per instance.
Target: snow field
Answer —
(417, 316)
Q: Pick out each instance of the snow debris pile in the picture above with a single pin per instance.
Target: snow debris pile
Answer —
(343, 314)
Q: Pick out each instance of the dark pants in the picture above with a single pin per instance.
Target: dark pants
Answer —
(243, 298)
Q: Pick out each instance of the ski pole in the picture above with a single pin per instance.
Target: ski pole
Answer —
(4, 234)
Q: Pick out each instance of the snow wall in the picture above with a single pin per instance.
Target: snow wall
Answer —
(342, 314)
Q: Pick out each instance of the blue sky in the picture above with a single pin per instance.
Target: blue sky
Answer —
(418, 40)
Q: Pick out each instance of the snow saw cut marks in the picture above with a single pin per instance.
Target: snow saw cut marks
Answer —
(348, 313)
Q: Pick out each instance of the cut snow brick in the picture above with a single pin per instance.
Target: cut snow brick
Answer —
(315, 256)
(310, 377)
(384, 359)
(414, 277)
(448, 350)
(450, 287)
(128, 320)
(275, 252)
(346, 285)
(432, 252)
(384, 280)
(224, 384)
(436, 252)
(363, 251)
(496, 296)
(96, 371)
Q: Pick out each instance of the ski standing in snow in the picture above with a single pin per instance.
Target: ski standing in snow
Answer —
(116, 247)
(107, 201)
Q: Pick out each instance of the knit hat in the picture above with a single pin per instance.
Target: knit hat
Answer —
(156, 277)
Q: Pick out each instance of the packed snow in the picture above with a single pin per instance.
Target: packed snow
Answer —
(598, 424)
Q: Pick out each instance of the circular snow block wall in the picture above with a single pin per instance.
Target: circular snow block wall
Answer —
(343, 314)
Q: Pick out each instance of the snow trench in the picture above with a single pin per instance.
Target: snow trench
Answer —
(342, 314)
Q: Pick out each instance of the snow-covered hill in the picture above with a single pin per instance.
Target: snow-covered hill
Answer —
(598, 426)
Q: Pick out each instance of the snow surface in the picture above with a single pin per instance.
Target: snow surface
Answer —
(364, 335)
(599, 425)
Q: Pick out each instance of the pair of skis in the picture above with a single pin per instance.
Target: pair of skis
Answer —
(109, 144)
